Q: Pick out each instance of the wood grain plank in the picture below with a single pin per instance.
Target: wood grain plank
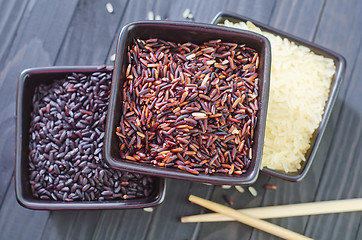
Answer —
(132, 225)
(45, 22)
(202, 11)
(205, 11)
(234, 230)
(136, 11)
(140, 224)
(90, 33)
(19, 223)
(58, 224)
(204, 191)
(299, 18)
(341, 179)
(84, 225)
(359, 233)
(340, 24)
(11, 13)
(339, 31)
(30, 48)
(108, 224)
(260, 10)
(165, 223)
(289, 16)
(343, 171)
(171, 10)
(309, 187)
(36, 44)
(8, 85)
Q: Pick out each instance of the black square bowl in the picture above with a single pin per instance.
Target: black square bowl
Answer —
(340, 63)
(182, 32)
(28, 81)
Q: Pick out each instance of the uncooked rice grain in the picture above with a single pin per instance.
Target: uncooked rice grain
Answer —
(299, 88)
(239, 188)
(253, 191)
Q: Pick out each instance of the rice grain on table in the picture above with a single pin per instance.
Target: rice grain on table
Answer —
(299, 88)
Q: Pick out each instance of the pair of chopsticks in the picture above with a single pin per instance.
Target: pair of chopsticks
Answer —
(253, 216)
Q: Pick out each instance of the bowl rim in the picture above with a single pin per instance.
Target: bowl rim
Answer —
(341, 65)
(164, 172)
(38, 204)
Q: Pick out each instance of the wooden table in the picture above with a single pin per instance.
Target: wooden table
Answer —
(82, 32)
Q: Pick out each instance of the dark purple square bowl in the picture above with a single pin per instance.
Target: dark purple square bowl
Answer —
(182, 32)
(28, 81)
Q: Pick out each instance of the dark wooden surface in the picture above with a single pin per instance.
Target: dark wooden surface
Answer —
(37, 33)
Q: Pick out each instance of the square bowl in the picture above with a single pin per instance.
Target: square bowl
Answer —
(336, 82)
(179, 33)
(28, 81)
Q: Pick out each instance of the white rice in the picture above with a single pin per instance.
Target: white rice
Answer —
(299, 88)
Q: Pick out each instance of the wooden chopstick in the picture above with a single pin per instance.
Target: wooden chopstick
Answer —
(291, 210)
(246, 219)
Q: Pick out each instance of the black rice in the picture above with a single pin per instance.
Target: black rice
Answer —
(66, 143)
